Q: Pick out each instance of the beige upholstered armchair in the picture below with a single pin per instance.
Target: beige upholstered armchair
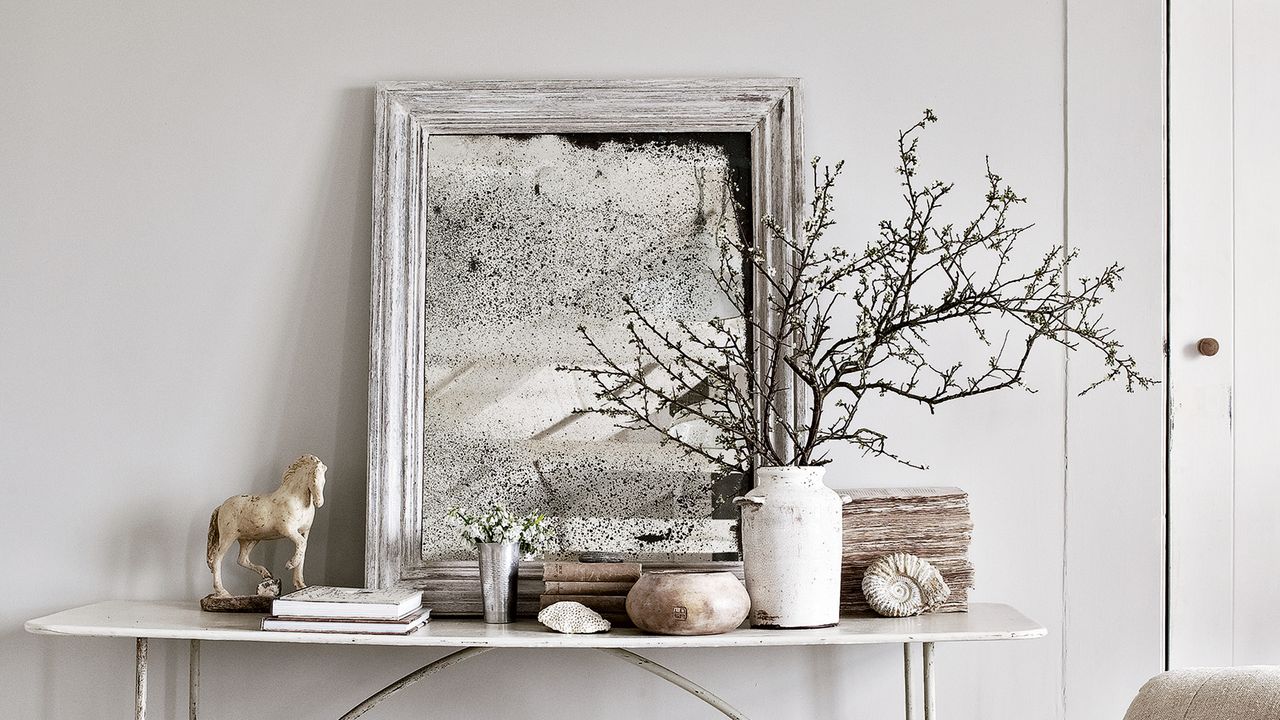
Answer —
(1243, 693)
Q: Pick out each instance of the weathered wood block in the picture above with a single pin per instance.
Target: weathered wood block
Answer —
(236, 603)
(930, 522)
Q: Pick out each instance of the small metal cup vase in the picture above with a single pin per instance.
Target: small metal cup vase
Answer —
(499, 569)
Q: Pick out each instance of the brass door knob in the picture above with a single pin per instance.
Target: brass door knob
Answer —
(1207, 347)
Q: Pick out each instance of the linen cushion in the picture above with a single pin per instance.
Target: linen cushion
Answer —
(1242, 693)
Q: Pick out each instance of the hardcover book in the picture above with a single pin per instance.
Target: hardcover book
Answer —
(319, 601)
(562, 587)
(599, 603)
(591, 572)
(404, 626)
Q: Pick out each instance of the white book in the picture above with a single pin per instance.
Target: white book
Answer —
(407, 625)
(319, 601)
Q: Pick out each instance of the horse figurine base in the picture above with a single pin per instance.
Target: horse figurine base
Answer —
(268, 590)
(286, 513)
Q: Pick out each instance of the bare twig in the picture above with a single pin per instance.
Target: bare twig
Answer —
(851, 326)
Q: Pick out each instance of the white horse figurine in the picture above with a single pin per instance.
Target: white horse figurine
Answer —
(285, 513)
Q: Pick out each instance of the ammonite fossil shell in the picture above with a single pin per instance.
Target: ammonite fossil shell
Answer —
(901, 584)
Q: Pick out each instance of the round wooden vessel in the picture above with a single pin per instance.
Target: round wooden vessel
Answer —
(688, 602)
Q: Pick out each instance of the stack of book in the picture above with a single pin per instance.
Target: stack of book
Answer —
(393, 611)
(930, 523)
(452, 587)
(602, 586)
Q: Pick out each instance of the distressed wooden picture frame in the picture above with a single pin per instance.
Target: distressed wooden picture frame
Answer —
(408, 114)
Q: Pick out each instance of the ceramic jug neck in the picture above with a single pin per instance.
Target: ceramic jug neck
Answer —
(789, 476)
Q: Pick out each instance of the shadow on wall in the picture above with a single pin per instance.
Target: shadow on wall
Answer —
(342, 229)
(317, 401)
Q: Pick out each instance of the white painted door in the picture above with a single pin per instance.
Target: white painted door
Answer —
(1224, 254)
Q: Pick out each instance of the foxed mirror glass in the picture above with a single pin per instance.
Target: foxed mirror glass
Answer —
(530, 240)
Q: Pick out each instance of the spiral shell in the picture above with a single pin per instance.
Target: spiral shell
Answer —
(902, 584)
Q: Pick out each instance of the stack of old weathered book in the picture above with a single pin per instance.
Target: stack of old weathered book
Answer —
(362, 611)
(931, 523)
(601, 586)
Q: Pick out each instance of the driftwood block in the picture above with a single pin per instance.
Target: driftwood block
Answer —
(932, 522)
(236, 603)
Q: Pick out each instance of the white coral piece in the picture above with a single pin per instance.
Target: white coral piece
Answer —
(573, 618)
(901, 584)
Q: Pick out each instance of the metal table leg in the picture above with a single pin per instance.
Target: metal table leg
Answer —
(140, 680)
(930, 698)
(676, 679)
(193, 681)
(907, 681)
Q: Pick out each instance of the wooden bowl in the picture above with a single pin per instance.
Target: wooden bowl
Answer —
(688, 602)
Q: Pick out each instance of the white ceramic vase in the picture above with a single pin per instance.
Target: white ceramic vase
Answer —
(791, 528)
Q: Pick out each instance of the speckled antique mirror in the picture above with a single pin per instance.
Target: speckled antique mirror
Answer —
(508, 216)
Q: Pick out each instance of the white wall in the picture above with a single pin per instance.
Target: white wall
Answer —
(1115, 480)
(1224, 542)
(1257, 535)
(184, 231)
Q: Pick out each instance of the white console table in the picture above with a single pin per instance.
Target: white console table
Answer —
(145, 621)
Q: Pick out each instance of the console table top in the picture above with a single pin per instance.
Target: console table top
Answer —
(184, 620)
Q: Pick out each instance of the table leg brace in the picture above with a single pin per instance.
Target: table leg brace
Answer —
(676, 679)
(413, 677)
(643, 663)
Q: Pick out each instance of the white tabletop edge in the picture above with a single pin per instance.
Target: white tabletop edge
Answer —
(185, 621)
